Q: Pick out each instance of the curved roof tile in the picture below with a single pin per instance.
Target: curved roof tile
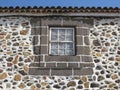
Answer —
(59, 9)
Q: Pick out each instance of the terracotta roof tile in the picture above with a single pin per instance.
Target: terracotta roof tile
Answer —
(58, 9)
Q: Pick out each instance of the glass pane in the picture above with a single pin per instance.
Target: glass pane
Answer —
(70, 31)
(61, 52)
(69, 52)
(54, 31)
(54, 45)
(61, 31)
(61, 37)
(54, 37)
(69, 37)
(69, 45)
(54, 51)
(61, 45)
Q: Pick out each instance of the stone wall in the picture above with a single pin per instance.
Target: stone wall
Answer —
(16, 54)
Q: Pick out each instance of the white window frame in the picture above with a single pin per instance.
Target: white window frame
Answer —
(73, 42)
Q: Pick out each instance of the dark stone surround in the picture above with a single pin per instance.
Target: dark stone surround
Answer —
(44, 64)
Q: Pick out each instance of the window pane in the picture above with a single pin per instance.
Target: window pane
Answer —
(61, 31)
(61, 37)
(54, 31)
(69, 45)
(61, 45)
(54, 51)
(69, 37)
(69, 52)
(70, 31)
(54, 45)
(61, 52)
(54, 37)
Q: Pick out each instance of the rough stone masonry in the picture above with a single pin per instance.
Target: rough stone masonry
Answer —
(17, 53)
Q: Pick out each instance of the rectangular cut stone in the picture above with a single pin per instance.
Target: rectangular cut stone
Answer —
(82, 31)
(50, 65)
(83, 50)
(44, 31)
(84, 65)
(72, 65)
(83, 71)
(63, 58)
(35, 40)
(35, 31)
(43, 50)
(86, 40)
(38, 64)
(61, 65)
(86, 59)
(36, 50)
(61, 72)
(43, 40)
(51, 21)
(38, 58)
(39, 71)
(79, 40)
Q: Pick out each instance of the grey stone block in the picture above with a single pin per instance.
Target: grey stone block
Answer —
(84, 65)
(72, 65)
(51, 21)
(83, 50)
(36, 50)
(86, 40)
(50, 65)
(35, 40)
(35, 31)
(43, 40)
(38, 64)
(38, 58)
(82, 31)
(63, 58)
(44, 31)
(39, 71)
(79, 40)
(83, 71)
(61, 65)
(86, 59)
(44, 50)
(61, 72)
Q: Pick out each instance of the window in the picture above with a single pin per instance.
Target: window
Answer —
(61, 41)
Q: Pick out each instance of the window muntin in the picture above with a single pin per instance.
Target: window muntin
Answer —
(61, 41)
